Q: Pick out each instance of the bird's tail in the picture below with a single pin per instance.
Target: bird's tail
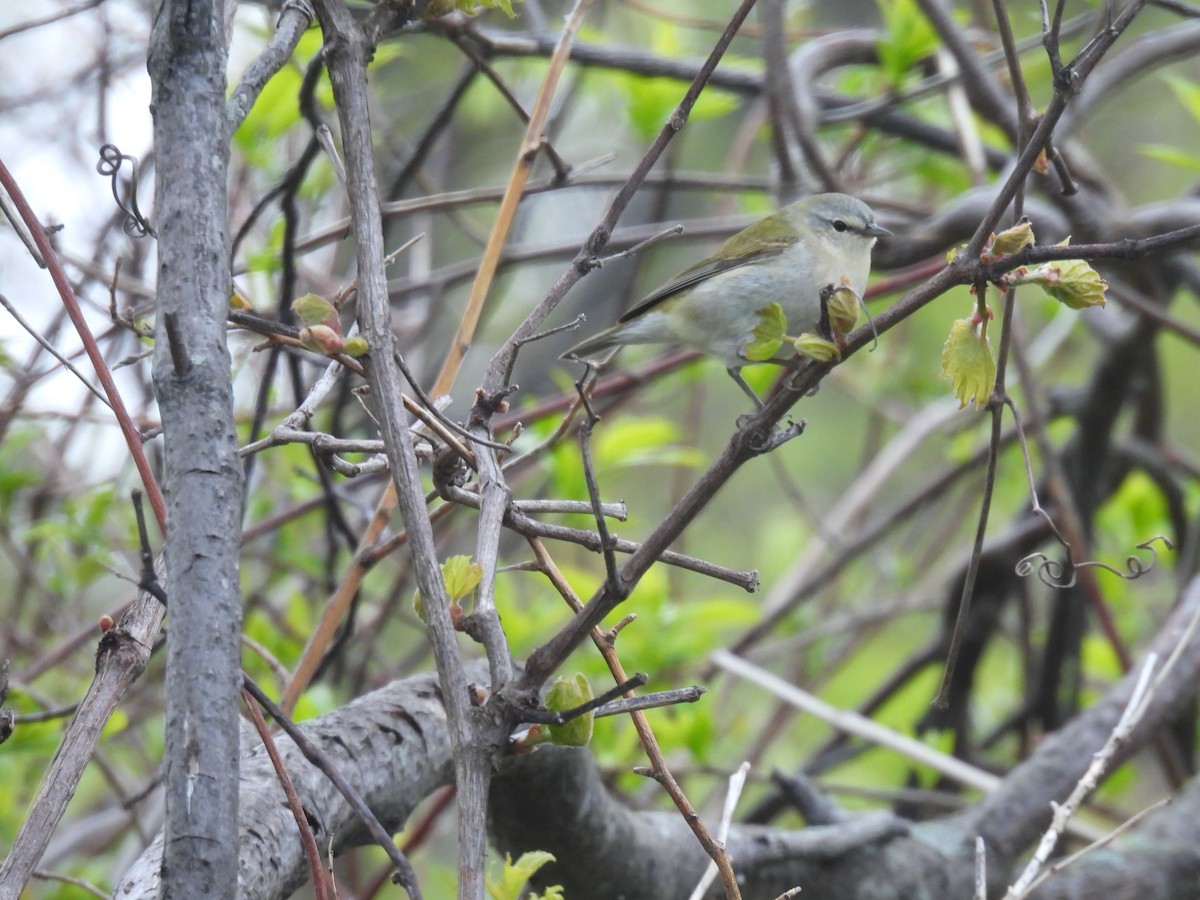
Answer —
(595, 345)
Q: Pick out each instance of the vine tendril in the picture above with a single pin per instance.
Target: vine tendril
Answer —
(1051, 572)
(111, 158)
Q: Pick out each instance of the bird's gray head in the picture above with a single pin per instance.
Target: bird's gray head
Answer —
(838, 218)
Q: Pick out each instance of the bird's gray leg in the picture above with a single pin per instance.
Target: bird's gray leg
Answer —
(736, 374)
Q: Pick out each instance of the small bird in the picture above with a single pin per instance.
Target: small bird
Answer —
(819, 242)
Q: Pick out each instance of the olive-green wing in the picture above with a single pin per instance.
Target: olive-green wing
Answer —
(750, 245)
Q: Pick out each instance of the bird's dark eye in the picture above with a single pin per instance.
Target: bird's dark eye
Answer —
(839, 225)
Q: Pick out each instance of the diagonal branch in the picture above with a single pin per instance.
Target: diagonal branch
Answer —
(499, 370)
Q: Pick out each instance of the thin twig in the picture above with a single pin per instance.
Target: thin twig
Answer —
(52, 350)
(133, 438)
(50, 19)
(659, 769)
(149, 575)
(942, 700)
(852, 723)
(473, 739)
(312, 852)
(532, 142)
(499, 371)
(654, 700)
(551, 717)
(315, 755)
(534, 528)
(1100, 843)
(1089, 780)
(980, 869)
(294, 18)
(615, 585)
(80, 883)
(737, 781)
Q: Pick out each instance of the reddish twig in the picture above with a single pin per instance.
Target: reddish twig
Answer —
(133, 437)
(311, 850)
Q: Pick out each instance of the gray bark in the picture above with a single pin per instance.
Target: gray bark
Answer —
(120, 660)
(477, 733)
(202, 476)
(392, 745)
(554, 800)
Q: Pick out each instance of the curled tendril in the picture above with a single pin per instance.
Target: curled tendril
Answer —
(1052, 572)
(111, 158)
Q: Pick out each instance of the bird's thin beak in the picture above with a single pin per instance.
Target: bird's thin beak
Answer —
(874, 230)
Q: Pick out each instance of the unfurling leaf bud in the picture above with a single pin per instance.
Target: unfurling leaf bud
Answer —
(1012, 240)
(968, 362)
(461, 576)
(356, 346)
(1071, 282)
(816, 348)
(322, 339)
(315, 310)
(768, 333)
(843, 306)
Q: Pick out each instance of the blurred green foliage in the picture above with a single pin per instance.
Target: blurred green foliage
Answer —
(72, 527)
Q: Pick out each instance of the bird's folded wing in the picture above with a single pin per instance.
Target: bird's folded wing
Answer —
(724, 260)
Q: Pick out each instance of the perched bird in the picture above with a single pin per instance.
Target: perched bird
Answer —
(822, 241)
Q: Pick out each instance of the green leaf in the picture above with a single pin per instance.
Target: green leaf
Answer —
(817, 348)
(909, 39)
(643, 441)
(968, 362)
(1012, 240)
(268, 259)
(313, 309)
(504, 5)
(470, 7)
(1072, 282)
(1171, 155)
(1136, 510)
(356, 346)
(117, 723)
(1099, 658)
(650, 101)
(514, 875)
(842, 308)
(1187, 92)
(461, 576)
(276, 111)
(768, 334)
